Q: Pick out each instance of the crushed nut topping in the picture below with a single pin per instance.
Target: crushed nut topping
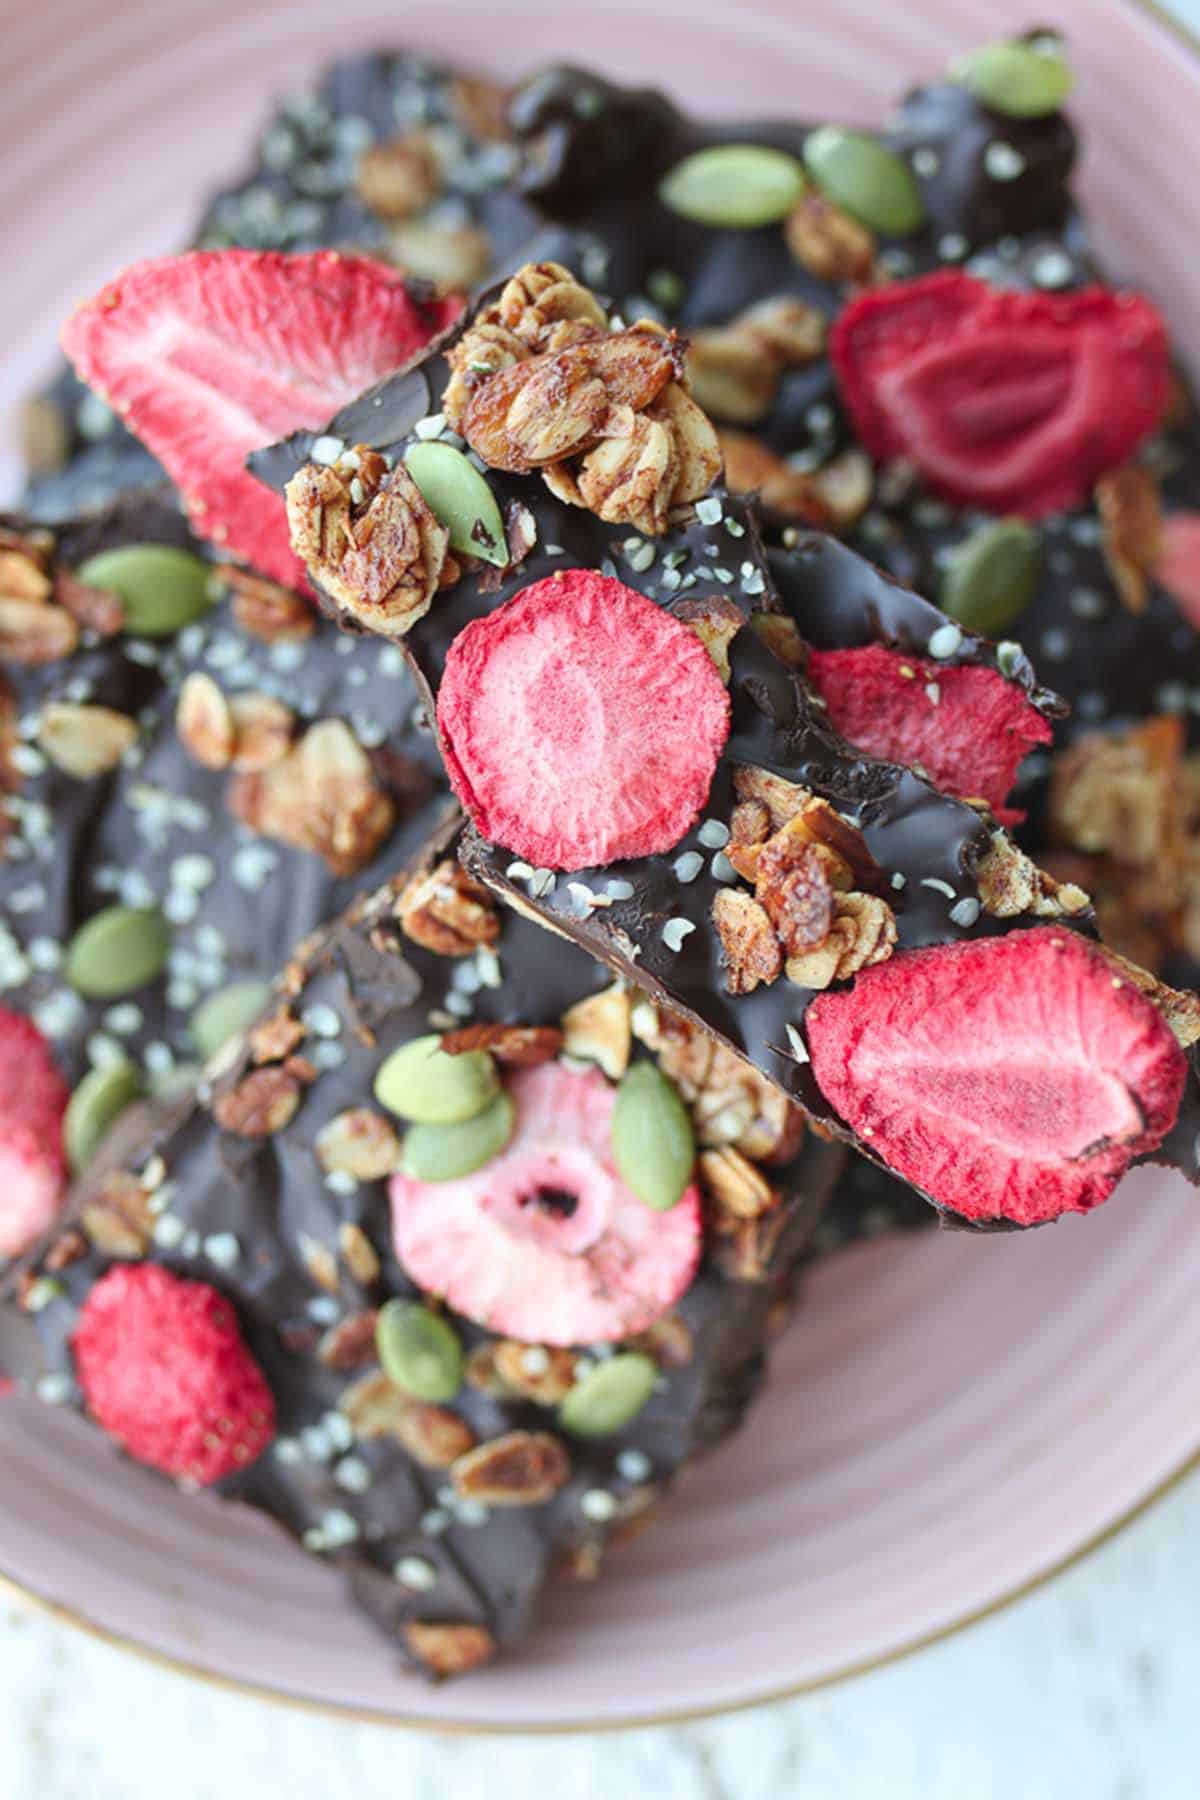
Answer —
(521, 1468)
(828, 242)
(261, 1103)
(751, 951)
(745, 1248)
(273, 614)
(1131, 520)
(322, 796)
(358, 1142)
(716, 621)
(446, 912)
(863, 932)
(482, 1373)
(520, 1046)
(85, 740)
(781, 635)
(1009, 884)
(449, 1649)
(399, 178)
(599, 1029)
(381, 557)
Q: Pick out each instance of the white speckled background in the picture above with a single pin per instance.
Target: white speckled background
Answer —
(1087, 1688)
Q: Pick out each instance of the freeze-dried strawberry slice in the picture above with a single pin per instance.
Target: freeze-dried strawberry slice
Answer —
(33, 1165)
(213, 354)
(546, 1243)
(165, 1371)
(1011, 1078)
(581, 724)
(1178, 565)
(964, 724)
(1009, 401)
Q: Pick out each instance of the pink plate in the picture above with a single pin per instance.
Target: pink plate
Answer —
(950, 1419)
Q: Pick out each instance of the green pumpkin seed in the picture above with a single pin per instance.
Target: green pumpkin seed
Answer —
(120, 949)
(606, 1399)
(229, 1011)
(444, 1152)
(424, 1084)
(96, 1103)
(735, 185)
(865, 178)
(419, 1351)
(461, 499)
(1022, 81)
(991, 576)
(161, 588)
(653, 1144)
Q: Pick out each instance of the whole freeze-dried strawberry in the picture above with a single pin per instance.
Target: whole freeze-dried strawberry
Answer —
(215, 353)
(1011, 1078)
(545, 1242)
(966, 725)
(165, 1371)
(33, 1164)
(1010, 401)
(581, 723)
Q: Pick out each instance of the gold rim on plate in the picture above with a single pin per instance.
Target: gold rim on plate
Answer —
(13, 1589)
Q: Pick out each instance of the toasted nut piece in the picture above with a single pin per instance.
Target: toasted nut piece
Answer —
(116, 1215)
(350, 1344)
(482, 1373)
(787, 849)
(796, 494)
(827, 241)
(276, 1036)
(1131, 519)
(668, 1341)
(581, 1563)
(723, 1114)
(538, 1373)
(35, 545)
(736, 1186)
(398, 178)
(33, 632)
(433, 1435)
(449, 1649)
(783, 799)
(320, 1263)
(749, 463)
(446, 912)
(732, 374)
(23, 575)
(845, 486)
(745, 1248)
(452, 257)
(798, 897)
(863, 932)
(776, 1132)
(204, 722)
(816, 968)
(750, 948)
(749, 829)
(96, 609)
(542, 295)
(521, 1468)
(781, 635)
(716, 621)
(599, 1029)
(261, 1103)
(322, 796)
(267, 611)
(358, 1253)
(262, 730)
(481, 352)
(358, 1142)
(520, 1046)
(84, 740)
(696, 445)
(1122, 794)
(788, 327)
(1010, 883)
(684, 1051)
(1180, 1009)
(821, 824)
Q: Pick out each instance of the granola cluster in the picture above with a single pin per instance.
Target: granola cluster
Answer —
(43, 609)
(813, 915)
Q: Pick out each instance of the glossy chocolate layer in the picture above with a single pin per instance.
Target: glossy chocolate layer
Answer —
(246, 1216)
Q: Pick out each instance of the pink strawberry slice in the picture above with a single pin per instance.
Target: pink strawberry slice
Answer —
(546, 1243)
(966, 726)
(580, 723)
(216, 353)
(33, 1164)
(1011, 402)
(1011, 1078)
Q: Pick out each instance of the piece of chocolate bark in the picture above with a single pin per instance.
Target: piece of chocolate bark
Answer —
(586, 741)
(388, 154)
(195, 769)
(452, 1351)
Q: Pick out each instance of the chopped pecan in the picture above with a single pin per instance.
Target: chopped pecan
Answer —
(399, 178)
(85, 740)
(322, 796)
(276, 1036)
(358, 1142)
(368, 539)
(33, 632)
(261, 1103)
(827, 241)
(204, 722)
(798, 894)
(96, 609)
(449, 1649)
(598, 1029)
(819, 823)
(262, 730)
(446, 912)
(544, 1375)
(358, 1253)
(274, 614)
(716, 621)
(735, 1185)
(116, 1215)
(1131, 520)
(350, 1344)
(749, 946)
(521, 1468)
(521, 1046)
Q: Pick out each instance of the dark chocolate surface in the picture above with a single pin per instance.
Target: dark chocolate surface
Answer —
(238, 1213)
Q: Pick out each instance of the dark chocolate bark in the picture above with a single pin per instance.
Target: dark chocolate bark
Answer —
(306, 1256)
(156, 829)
